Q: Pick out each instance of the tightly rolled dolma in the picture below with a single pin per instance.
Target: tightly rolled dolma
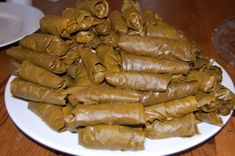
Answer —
(118, 22)
(102, 94)
(51, 114)
(171, 109)
(167, 32)
(93, 65)
(153, 65)
(206, 81)
(112, 137)
(85, 36)
(49, 62)
(158, 47)
(58, 25)
(83, 18)
(109, 57)
(131, 13)
(107, 113)
(175, 90)
(38, 75)
(185, 126)
(139, 81)
(37, 93)
(102, 26)
(149, 17)
(211, 117)
(45, 43)
(98, 8)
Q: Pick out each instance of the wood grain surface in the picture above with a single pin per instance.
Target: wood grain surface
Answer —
(197, 18)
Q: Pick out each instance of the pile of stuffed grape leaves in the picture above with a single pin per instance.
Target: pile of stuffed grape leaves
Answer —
(117, 77)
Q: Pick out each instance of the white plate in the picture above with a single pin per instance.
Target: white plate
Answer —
(16, 21)
(67, 142)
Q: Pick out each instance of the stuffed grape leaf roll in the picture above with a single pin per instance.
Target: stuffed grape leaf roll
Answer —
(175, 90)
(163, 31)
(101, 94)
(35, 74)
(139, 81)
(185, 126)
(171, 109)
(98, 8)
(112, 137)
(93, 65)
(46, 61)
(51, 114)
(58, 25)
(45, 43)
(158, 47)
(31, 91)
(131, 13)
(107, 113)
(83, 18)
(153, 65)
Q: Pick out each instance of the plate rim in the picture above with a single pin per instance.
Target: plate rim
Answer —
(35, 27)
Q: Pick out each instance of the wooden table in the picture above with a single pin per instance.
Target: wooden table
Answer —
(197, 18)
